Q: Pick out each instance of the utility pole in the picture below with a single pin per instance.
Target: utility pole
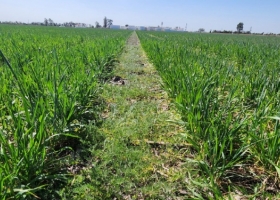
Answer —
(186, 27)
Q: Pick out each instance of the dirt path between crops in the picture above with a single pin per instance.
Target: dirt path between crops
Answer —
(133, 40)
(142, 153)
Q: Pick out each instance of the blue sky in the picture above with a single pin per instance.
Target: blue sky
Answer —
(261, 15)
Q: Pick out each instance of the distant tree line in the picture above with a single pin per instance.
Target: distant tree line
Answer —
(246, 32)
(49, 22)
(239, 30)
(230, 32)
(108, 22)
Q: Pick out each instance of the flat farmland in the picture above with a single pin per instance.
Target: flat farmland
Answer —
(115, 114)
(51, 81)
(226, 88)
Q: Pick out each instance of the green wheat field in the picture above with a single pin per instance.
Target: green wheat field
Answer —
(226, 89)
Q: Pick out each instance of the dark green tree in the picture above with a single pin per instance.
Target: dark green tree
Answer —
(51, 23)
(109, 22)
(201, 30)
(46, 22)
(105, 22)
(97, 25)
(240, 27)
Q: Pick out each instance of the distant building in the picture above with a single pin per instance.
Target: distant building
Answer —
(167, 29)
(115, 27)
(178, 29)
(131, 27)
(124, 27)
(149, 28)
(152, 28)
(141, 28)
(80, 25)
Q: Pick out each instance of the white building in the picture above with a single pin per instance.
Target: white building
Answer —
(152, 28)
(179, 29)
(149, 28)
(167, 29)
(141, 28)
(115, 27)
(80, 25)
(124, 27)
(131, 27)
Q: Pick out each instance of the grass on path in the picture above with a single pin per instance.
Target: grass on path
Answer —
(142, 152)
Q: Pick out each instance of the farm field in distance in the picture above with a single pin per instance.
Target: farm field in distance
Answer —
(54, 93)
